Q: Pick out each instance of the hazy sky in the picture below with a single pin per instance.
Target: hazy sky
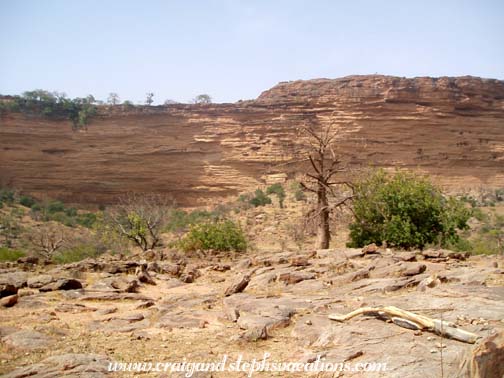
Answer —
(235, 49)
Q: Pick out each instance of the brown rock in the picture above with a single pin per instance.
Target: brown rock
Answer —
(238, 285)
(9, 301)
(145, 277)
(255, 333)
(7, 289)
(485, 360)
(299, 261)
(62, 284)
(370, 249)
(413, 269)
(291, 278)
(407, 256)
(40, 281)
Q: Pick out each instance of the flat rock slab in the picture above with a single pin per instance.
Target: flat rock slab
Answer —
(112, 296)
(28, 340)
(65, 365)
(37, 282)
(187, 320)
(62, 284)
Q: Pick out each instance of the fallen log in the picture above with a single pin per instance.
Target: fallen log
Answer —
(411, 320)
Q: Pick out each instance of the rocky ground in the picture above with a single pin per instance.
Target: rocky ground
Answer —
(72, 320)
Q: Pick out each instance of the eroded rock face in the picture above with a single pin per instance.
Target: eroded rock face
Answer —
(450, 128)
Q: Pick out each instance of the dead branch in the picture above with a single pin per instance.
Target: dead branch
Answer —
(411, 320)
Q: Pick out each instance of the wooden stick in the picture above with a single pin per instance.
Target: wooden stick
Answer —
(409, 320)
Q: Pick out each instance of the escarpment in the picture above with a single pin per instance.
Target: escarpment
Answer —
(450, 128)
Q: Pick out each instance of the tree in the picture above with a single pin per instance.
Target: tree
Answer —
(170, 102)
(48, 239)
(202, 99)
(320, 178)
(141, 218)
(149, 100)
(113, 98)
(404, 210)
(279, 191)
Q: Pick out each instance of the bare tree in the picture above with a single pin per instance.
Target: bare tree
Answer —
(141, 218)
(149, 99)
(113, 98)
(48, 239)
(321, 178)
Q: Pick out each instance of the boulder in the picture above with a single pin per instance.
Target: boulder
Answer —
(7, 289)
(10, 283)
(238, 285)
(9, 301)
(412, 269)
(370, 249)
(485, 360)
(62, 284)
(38, 281)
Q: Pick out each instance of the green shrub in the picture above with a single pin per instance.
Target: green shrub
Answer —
(86, 219)
(219, 235)
(77, 253)
(7, 254)
(260, 199)
(55, 207)
(26, 201)
(279, 191)
(404, 210)
(6, 196)
(299, 195)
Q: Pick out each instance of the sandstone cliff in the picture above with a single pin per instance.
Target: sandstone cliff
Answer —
(451, 128)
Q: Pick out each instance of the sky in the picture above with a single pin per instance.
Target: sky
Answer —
(235, 49)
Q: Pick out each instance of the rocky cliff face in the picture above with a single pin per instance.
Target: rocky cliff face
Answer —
(451, 128)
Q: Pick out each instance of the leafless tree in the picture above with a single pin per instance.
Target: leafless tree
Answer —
(321, 177)
(113, 98)
(48, 239)
(141, 218)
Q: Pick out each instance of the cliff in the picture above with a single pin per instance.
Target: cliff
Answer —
(451, 128)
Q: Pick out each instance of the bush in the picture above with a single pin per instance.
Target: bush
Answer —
(26, 201)
(221, 235)
(55, 207)
(78, 252)
(404, 210)
(260, 199)
(86, 219)
(299, 195)
(7, 254)
(279, 191)
(6, 196)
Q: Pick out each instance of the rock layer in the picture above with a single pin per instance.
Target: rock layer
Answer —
(451, 128)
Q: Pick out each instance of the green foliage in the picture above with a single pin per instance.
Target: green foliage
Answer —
(53, 105)
(7, 254)
(279, 191)
(404, 210)
(180, 220)
(55, 207)
(10, 228)
(26, 201)
(78, 252)
(56, 211)
(219, 235)
(260, 199)
(7, 196)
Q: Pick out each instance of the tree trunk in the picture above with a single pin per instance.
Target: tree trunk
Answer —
(323, 233)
